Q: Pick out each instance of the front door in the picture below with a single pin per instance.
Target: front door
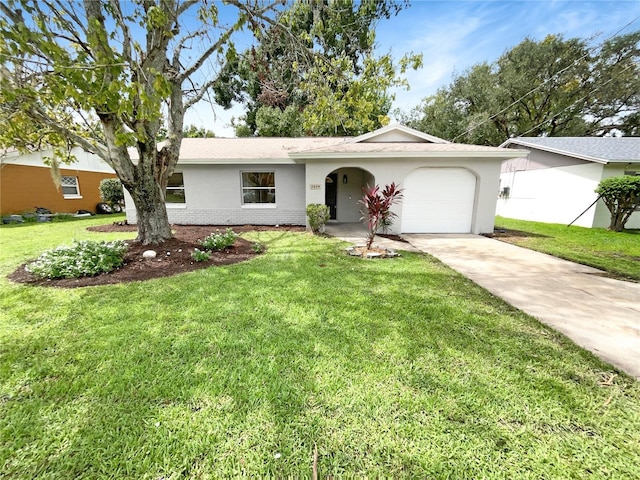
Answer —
(331, 194)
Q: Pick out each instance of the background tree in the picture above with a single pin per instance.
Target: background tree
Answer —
(128, 67)
(554, 87)
(621, 195)
(197, 132)
(343, 91)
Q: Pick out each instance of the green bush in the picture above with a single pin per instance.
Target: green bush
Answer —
(82, 259)
(200, 256)
(317, 215)
(621, 195)
(219, 241)
(111, 191)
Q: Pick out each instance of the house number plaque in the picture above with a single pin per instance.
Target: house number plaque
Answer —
(315, 186)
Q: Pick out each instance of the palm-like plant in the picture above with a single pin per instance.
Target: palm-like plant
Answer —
(376, 208)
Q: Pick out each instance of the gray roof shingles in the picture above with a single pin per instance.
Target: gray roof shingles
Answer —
(600, 149)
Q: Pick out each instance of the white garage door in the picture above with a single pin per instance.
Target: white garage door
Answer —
(438, 200)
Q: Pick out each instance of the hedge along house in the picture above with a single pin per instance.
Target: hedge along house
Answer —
(26, 183)
(448, 187)
(554, 181)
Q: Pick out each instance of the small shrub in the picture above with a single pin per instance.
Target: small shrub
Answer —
(257, 247)
(621, 195)
(111, 191)
(318, 216)
(200, 256)
(82, 259)
(219, 241)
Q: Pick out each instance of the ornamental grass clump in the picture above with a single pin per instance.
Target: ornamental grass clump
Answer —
(82, 259)
(219, 241)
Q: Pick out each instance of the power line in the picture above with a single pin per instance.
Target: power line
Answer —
(579, 100)
(589, 51)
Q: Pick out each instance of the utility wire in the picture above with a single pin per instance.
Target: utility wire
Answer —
(589, 51)
(580, 99)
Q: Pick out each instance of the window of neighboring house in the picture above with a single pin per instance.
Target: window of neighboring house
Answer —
(70, 187)
(258, 187)
(175, 189)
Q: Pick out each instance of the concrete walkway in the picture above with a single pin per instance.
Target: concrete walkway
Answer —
(600, 314)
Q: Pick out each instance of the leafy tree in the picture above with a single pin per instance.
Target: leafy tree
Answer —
(68, 66)
(376, 208)
(554, 87)
(621, 195)
(194, 132)
(344, 91)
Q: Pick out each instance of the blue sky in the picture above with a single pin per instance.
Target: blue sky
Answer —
(454, 35)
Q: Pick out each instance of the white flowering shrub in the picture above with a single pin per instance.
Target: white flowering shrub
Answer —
(200, 256)
(219, 241)
(82, 259)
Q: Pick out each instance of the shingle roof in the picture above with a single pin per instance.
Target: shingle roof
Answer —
(250, 148)
(271, 150)
(595, 149)
(401, 147)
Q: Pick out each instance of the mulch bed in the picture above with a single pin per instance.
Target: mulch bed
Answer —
(173, 256)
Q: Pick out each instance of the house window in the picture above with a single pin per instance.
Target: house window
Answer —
(70, 188)
(258, 187)
(175, 189)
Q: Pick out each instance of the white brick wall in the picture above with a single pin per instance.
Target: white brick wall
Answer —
(231, 216)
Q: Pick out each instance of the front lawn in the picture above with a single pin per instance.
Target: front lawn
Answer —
(617, 253)
(399, 368)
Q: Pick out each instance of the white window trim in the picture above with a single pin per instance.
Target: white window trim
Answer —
(257, 205)
(177, 204)
(71, 196)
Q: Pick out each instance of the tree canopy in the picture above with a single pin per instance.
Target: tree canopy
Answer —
(345, 90)
(108, 75)
(553, 87)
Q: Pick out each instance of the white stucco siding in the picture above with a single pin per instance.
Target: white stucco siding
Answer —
(387, 170)
(602, 217)
(552, 195)
(213, 195)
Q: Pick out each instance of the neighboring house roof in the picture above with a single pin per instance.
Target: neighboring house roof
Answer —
(594, 149)
(391, 141)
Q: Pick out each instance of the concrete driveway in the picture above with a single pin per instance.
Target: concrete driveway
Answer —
(600, 314)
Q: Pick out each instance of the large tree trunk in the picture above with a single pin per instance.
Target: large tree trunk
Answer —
(153, 222)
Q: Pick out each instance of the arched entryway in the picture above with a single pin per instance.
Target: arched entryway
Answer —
(343, 189)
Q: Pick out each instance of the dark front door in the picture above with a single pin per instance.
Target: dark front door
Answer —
(331, 194)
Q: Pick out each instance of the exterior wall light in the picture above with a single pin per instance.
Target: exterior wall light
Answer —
(344, 179)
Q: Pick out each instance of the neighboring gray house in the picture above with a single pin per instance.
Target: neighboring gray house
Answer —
(556, 182)
(449, 188)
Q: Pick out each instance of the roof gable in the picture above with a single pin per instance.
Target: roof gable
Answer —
(397, 133)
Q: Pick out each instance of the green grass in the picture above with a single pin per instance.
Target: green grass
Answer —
(613, 252)
(398, 368)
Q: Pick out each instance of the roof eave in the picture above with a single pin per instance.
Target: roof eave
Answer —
(558, 151)
(507, 154)
(235, 161)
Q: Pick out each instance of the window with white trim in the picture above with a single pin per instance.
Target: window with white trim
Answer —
(175, 189)
(70, 187)
(258, 187)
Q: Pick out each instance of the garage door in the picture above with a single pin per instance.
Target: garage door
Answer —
(438, 200)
